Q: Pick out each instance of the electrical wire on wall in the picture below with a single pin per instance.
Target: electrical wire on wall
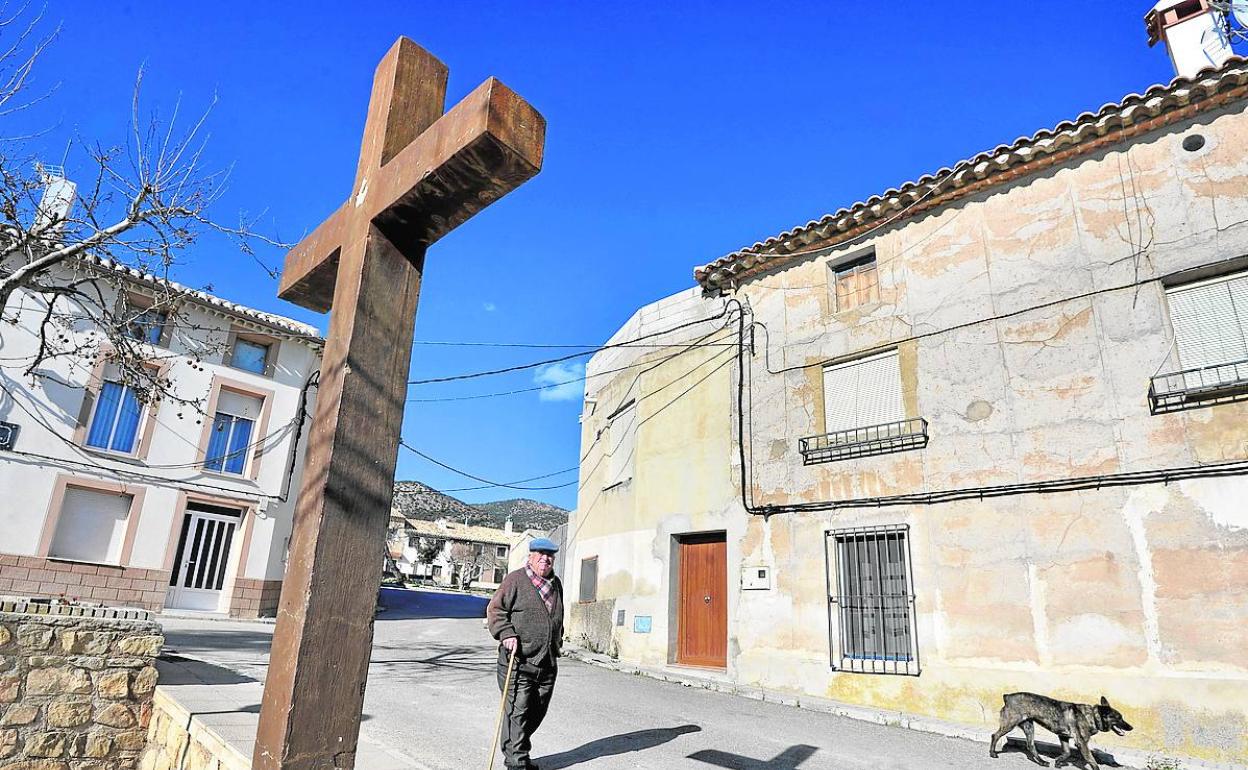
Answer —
(1096, 481)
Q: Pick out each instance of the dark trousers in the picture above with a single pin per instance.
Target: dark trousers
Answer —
(527, 700)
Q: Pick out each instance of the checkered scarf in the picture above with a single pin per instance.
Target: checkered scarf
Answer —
(545, 587)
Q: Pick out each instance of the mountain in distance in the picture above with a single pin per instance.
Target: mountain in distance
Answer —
(414, 500)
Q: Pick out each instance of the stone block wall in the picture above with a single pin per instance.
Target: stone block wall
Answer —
(73, 581)
(76, 686)
(255, 598)
(178, 740)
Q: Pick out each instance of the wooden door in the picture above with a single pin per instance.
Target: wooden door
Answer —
(702, 630)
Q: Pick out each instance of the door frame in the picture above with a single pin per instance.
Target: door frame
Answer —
(675, 594)
(239, 549)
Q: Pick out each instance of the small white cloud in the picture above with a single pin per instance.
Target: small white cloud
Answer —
(489, 307)
(564, 378)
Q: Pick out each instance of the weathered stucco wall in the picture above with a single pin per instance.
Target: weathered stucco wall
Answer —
(1028, 320)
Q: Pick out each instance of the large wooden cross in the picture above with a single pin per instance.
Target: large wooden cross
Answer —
(420, 174)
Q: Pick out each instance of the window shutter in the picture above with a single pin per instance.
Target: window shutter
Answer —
(865, 392)
(1210, 322)
(622, 438)
(92, 526)
(239, 405)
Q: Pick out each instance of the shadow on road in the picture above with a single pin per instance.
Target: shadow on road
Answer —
(624, 743)
(176, 669)
(789, 759)
(408, 604)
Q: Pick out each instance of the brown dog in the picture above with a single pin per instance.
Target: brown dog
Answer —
(1068, 721)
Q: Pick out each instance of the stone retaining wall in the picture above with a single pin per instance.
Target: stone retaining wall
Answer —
(178, 741)
(75, 686)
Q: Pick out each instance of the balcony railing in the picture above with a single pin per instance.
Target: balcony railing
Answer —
(1193, 388)
(863, 442)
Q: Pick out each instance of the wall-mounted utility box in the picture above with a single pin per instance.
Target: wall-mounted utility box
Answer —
(756, 578)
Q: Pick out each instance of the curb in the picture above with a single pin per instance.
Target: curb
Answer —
(1127, 758)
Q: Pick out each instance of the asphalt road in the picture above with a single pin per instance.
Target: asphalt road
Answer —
(432, 696)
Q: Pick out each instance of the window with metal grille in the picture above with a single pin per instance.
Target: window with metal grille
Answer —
(1210, 320)
(589, 580)
(871, 602)
(864, 413)
(854, 283)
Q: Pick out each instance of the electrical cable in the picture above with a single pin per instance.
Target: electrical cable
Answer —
(570, 356)
(465, 474)
(686, 347)
(1098, 481)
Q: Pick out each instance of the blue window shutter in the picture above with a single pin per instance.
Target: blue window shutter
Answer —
(128, 423)
(105, 414)
(218, 439)
(238, 445)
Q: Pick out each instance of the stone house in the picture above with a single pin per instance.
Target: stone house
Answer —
(984, 432)
(479, 554)
(109, 499)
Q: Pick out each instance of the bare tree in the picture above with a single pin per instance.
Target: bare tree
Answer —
(71, 254)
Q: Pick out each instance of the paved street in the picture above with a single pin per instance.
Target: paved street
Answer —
(432, 697)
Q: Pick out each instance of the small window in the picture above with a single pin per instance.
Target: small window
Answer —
(146, 325)
(230, 438)
(622, 444)
(502, 552)
(115, 421)
(871, 601)
(91, 526)
(855, 283)
(250, 355)
(589, 580)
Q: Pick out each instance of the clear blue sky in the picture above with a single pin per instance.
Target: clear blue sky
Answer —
(676, 133)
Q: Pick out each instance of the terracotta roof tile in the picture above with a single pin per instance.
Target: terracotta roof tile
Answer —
(281, 323)
(1179, 99)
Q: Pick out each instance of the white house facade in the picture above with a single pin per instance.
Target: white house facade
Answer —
(105, 498)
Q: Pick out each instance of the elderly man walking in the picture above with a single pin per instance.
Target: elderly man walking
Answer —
(526, 615)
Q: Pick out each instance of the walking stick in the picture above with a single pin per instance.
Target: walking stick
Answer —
(498, 725)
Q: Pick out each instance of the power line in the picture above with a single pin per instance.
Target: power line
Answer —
(687, 346)
(570, 356)
(465, 474)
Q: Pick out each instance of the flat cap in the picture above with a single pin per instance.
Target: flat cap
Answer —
(543, 544)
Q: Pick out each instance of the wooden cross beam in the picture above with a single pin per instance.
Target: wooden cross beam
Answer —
(420, 174)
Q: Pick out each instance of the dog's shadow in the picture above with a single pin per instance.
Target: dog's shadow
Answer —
(1052, 751)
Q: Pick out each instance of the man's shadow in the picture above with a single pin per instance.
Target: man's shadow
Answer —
(639, 740)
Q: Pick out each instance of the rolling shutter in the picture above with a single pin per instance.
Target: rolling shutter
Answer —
(864, 392)
(92, 526)
(1210, 322)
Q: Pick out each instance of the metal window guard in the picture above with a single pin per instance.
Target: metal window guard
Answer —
(1205, 386)
(863, 442)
